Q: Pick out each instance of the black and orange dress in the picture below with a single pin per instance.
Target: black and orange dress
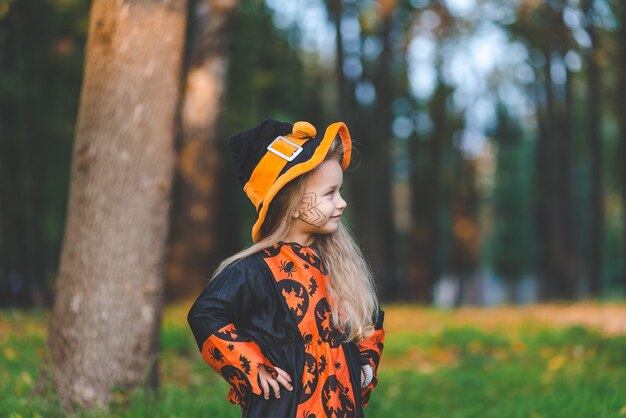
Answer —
(272, 308)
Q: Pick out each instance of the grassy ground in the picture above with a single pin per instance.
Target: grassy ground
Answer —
(540, 361)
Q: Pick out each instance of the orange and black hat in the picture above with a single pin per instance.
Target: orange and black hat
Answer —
(272, 154)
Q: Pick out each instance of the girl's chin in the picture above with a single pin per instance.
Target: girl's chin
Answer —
(328, 228)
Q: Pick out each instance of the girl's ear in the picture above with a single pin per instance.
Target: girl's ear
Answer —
(296, 214)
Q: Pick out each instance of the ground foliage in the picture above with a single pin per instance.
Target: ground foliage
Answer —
(535, 361)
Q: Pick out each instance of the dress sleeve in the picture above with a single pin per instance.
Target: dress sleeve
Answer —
(371, 349)
(217, 319)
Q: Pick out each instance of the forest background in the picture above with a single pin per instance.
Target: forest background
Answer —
(490, 142)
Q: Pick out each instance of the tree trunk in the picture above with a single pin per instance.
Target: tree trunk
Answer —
(622, 122)
(425, 203)
(194, 238)
(569, 266)
(104, 327)
(374, 181)
(343, 87)
(558, 262)
(383, 256)
(22, 208)
(12, 214)
(546, 190)
(595, 140)
(465, 246)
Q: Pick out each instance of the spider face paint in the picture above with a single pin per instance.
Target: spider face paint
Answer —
(321, 205)
(309, 211)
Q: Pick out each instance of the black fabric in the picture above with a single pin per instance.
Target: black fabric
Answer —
(247, 148)
(246, 293)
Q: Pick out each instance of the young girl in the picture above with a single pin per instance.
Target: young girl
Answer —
(293, 322)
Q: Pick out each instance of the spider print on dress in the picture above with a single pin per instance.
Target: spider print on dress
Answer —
(308, 338)
(306, 296)
(288, 267)
(216, 355)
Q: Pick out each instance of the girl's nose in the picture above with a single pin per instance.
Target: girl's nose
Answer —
(342, 203)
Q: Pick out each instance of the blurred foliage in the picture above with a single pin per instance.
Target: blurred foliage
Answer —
(436, 93)
(468, 363)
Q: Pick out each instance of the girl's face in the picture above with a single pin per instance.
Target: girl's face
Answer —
(322, 205)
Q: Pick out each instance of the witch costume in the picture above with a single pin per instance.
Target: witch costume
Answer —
(272, 308)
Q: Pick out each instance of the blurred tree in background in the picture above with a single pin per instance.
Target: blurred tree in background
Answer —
(41, 63)
(490, 138)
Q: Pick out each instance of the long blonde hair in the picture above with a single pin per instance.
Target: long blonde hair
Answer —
(352, 292)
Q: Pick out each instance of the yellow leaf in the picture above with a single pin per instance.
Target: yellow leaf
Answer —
(623, 410)
(9, 353)
(26, 378)
(475, 347)
(556, 363)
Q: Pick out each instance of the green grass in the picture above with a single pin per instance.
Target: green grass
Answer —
(523, 370)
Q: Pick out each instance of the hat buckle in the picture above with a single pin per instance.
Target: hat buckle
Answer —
(298, 148)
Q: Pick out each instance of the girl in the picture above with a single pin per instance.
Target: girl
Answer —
(293, 322)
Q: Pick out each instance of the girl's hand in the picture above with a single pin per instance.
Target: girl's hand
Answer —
(269, 376)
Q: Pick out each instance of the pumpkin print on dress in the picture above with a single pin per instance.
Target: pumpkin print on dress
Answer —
(336, 399)
(310, 377)
(230, 333)
(282, 292)
(324, 324)
(305, 292)
(238, 381)
(296, 296)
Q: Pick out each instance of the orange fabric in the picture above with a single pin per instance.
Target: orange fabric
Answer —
(299, 169)
(370, 347)
(326, 383)
(226, 348)
(268, 169)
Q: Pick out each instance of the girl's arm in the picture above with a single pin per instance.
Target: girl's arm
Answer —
(371, 349)
(225, 303)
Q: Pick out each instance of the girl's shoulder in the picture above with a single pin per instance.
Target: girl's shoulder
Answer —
(250, 267)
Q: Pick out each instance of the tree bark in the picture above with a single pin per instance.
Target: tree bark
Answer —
(465, 245)
(373, 182)
(425, 203)
(597, 160)
(621, 111)
(193, 237)
(104, 328)
(343, 87)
